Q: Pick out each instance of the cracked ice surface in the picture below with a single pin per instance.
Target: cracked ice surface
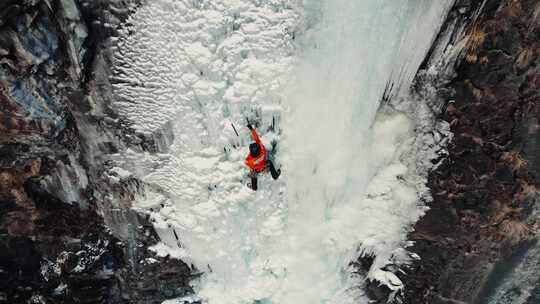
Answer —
(202, 61)
(353, 171)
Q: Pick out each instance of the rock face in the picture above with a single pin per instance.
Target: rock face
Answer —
(486, 188)
(67, 233)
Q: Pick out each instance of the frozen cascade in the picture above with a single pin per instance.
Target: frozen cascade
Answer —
(335, 142)
(319, 69)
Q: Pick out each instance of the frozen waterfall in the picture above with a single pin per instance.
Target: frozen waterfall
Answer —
(312, 75)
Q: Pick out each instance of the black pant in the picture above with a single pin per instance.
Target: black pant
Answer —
(275, 174)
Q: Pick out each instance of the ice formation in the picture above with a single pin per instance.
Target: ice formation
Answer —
(312, 76)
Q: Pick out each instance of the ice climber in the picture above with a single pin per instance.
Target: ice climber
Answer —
(257, 160)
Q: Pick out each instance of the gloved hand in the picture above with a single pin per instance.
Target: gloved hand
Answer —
(249, 126)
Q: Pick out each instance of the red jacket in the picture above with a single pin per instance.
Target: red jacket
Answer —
(258, 163)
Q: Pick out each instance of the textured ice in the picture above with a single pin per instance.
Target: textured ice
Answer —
(206, 60)
(311, 75)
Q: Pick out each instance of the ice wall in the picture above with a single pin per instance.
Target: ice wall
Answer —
(350, 181)
(359, 50)
(199, 67)
(347, 181)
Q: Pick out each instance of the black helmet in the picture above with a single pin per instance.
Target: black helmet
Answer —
(254, 149)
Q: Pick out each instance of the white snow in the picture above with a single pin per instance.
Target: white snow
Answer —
(60, 289)
(163, 250)
(353, 170)
(121, 173)
(151, 260)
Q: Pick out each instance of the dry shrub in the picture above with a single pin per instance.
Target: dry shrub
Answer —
(514, 8)
(484, 60)
(535, 20)
(478, 94)
(515, 231)
(504, 212)
(515, 160)
(524, 58)
(527, 192)
(471, 57)
(474, 41)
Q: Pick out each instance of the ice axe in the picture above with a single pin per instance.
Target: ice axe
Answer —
(248, 123)
(234, 129)
(232, 143)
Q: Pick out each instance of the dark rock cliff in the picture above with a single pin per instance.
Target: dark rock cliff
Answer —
(486, 188)
(67, 233)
